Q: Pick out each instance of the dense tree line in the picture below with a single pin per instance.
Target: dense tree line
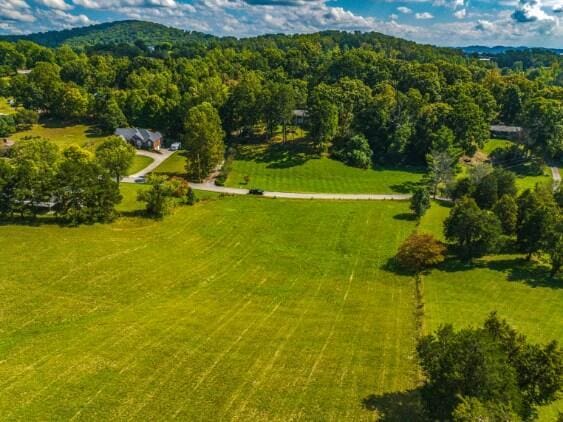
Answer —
(490, 373)
(78, 186)
(397, 98)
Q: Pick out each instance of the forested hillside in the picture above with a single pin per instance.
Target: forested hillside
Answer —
(369, 97)
(127, 32)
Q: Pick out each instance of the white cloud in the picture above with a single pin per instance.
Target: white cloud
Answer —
(16, 10)
(404, 10)
(55, 4)
(461, 13)
(424, 16)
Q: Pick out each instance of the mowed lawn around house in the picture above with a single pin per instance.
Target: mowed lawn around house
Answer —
(290, 168)
(521, 292)
(63, 135)
(139, 163)
(236, 308)
(175, 165)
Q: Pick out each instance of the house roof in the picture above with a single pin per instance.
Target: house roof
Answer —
(506, 129)
(144, 134)
(300, 113)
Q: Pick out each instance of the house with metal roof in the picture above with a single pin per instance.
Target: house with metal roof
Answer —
(141, 138)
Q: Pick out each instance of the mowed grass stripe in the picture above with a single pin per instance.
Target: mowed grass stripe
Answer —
(156, 348)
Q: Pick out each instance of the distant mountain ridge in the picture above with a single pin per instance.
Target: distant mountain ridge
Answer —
(117, 32)
(500, 49)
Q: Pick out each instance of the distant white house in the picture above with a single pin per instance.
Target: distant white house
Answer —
(141, 138)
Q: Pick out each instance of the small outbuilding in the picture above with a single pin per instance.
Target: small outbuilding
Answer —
(513, 133)
(141, 138)
(300, 117)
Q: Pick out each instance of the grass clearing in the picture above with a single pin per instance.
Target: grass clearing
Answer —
(63, 135)
(493, 144)
(139, 163)
(291, 168)
(175, 165)
(522, 293)
(235, 308)
(6, 108)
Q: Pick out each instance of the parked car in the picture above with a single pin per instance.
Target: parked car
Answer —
(175, 146)
(141, 179)
(257, 192)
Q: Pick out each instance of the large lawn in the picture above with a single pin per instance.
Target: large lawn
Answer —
(237, 308)
(522, 293)
(139, 163)
(63, 135)
(280, 168)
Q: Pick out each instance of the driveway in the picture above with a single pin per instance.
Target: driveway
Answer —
(158, 157)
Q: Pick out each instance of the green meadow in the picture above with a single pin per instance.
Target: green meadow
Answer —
(292, 168)
(63, 135)
(235, 308)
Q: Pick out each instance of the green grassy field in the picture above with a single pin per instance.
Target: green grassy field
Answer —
(493, 144)
(63, 135)
(6, 108)
(282, 168)
(222, 311)
(175, 165)
(522, 293)
(139, 163)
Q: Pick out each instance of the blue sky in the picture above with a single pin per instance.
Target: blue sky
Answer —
(441, 22)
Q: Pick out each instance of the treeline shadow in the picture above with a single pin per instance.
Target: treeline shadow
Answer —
(517, 270)
(396, 406)
(280, 156)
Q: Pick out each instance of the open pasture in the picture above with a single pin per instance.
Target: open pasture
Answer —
(63, 135)
(292, 168)
(235, 308)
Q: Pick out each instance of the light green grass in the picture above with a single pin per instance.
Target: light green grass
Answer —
(63, 135)
(175, 165)
(526, 181)
(6, 108)
(139, 163)
(280, 168)
(493, 144)
(523, 294)
(236, 308)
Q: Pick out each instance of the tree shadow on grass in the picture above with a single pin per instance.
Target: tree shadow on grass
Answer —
(280, 156)
(397, 406)
(516, 270)
(406, 216)
(406, 187)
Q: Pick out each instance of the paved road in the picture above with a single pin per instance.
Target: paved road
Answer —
(158, 157)
(209, 187)
(556, 175)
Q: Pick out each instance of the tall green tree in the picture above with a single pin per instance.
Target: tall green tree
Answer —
(420, 202)
(158, 198)
(115, 155)
(475, 232)
(203, 140)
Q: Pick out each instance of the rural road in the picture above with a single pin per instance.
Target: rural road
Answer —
(210, 187)
(158, 158)
(556, 176)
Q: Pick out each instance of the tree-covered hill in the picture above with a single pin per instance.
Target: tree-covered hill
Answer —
(122, 32)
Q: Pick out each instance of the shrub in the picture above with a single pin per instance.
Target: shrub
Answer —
(420, 251)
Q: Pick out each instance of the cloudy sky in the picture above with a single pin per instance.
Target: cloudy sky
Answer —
(441, 22)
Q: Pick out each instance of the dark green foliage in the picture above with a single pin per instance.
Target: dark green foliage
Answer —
(25, 119)
(475, 232)
(420, 202)
(7, 126)
(116, 155)
(84, 191)
(203, 141)
(506, 210)
(491, 370)
(537, 216)
(354, 151)
(191, 198)
(159, 198)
